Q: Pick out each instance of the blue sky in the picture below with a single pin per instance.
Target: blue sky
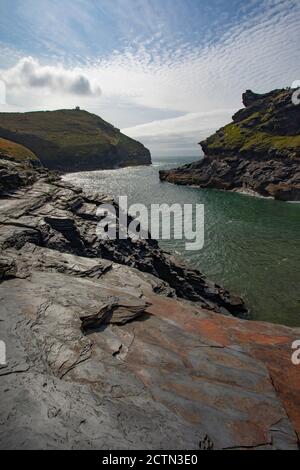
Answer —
(167, 72)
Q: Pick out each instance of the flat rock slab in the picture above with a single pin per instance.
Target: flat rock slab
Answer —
(172, 375)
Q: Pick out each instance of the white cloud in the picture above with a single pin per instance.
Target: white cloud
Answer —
(261, 54)
(180, 135)
(191, 122)
(28, 73)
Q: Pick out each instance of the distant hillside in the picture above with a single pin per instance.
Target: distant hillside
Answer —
(73, 140)
(258, 151)
(12, 151)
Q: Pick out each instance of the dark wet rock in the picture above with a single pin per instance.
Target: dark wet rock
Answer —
(7, 268)
(13, 176)
(258, 152)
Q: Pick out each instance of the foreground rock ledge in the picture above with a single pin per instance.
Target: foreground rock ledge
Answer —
(101, 355)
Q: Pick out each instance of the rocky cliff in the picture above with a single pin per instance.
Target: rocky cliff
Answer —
(72, 140)
(15, 152)
(258, 151)
(114, 345)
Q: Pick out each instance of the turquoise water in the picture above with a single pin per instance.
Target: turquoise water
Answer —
(252, 245)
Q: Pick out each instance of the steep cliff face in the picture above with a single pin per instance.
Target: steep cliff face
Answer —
(73, 140)
(113, 345)
(259, 150)
(268, 126)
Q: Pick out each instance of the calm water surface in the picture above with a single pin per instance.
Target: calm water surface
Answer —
(252, 245)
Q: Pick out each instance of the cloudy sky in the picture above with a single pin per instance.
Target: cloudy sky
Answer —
(166, 72)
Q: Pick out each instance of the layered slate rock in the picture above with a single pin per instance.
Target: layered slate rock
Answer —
(98, 360)
(106, 355)
(56, 215)
(73, 140)
(258, 152)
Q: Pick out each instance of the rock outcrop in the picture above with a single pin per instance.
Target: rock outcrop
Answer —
(11, 151)
(73, 140)
(113, 345)
(258, 152)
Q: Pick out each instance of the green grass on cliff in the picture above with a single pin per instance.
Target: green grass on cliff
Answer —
(66, 128)
(268, 121)
(263, 141)
(16, 152)
(62, 127)
(72, 139)
(236, 136)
